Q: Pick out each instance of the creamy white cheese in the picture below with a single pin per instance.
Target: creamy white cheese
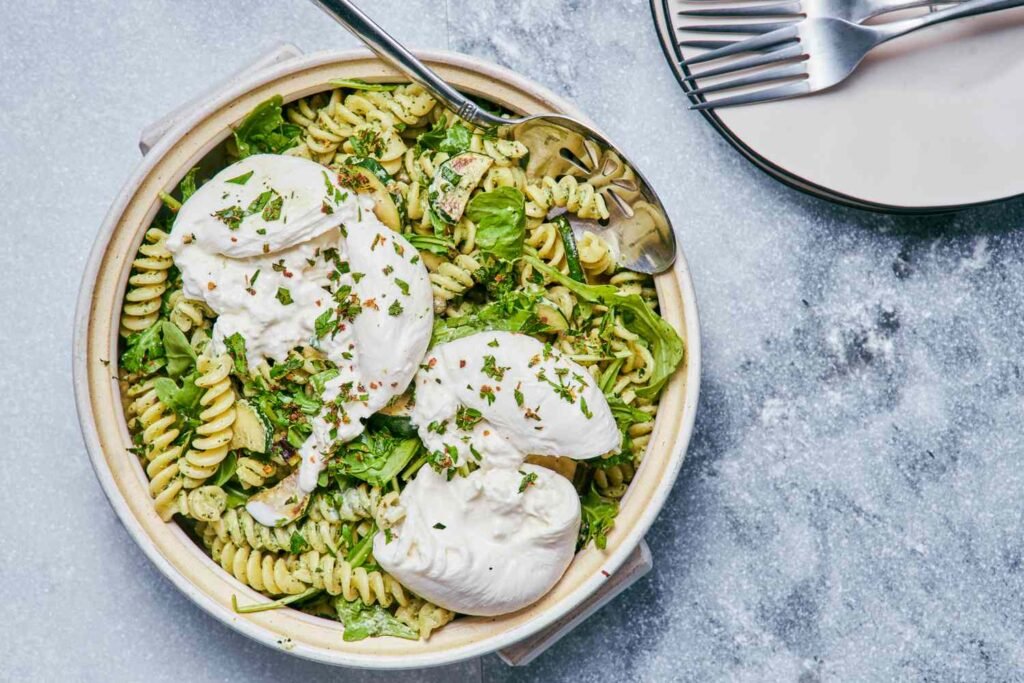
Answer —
(476, 545)
(500, 538)
(541, 402)
(272, 244)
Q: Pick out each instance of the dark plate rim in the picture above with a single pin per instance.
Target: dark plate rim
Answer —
(673, 55)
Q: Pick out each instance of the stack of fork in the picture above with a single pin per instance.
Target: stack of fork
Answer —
(801, 46)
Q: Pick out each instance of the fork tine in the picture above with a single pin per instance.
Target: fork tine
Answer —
(782, 9)
(777, 74)
(781, 92)
(779, 55)
(756, 43)
(761, 27)
(715, 44)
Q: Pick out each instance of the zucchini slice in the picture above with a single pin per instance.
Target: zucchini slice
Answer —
(364, 181)
(252, 430)
(454, 181)
(552, 317)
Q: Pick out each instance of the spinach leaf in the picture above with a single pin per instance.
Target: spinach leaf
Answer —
(180, 355)
(598, 518)
(375, 457)
(226, 470)
(365, 621)
(453, 139)
(400, 426)
(666, 346)
(500, 217)
(144, 351)
(264, 130)
(236, 496)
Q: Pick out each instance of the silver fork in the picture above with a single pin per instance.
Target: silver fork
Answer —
(828, 51)
(854, 11)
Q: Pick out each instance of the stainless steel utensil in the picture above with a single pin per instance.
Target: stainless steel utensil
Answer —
(637, 227)
(828, 51)
(786, 13)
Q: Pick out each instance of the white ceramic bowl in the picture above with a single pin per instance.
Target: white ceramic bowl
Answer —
(124, 482)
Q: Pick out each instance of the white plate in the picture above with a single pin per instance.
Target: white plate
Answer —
(929, 122)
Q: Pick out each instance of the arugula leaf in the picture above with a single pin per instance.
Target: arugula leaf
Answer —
(500, 217)
(375, 457)
(598, 518)
(453, 139)
(361, 550)
(515, 311)
(183, 400)
(365, 621)
(181, 357)
(144, 351)
(360, 84)
(236, 347)
(236, 496)
(188, 184)
(264, 130)
(666, 346)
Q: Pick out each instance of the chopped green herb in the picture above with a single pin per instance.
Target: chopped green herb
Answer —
(284, 296)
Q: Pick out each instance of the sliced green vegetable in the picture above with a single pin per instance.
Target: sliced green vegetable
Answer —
(453, 183)
(431, 243)
(251, 430)
(553, 317)
(572, 253)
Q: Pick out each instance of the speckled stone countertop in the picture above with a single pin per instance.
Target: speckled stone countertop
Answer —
(851, 505)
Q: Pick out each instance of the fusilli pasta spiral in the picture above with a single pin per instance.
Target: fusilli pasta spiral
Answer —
(213, 435)
(147, 283)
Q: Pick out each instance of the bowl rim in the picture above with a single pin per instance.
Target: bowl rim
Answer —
(250, 628)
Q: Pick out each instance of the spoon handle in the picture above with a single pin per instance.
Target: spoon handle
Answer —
(390, 50)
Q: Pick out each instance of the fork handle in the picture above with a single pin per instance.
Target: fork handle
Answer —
(967, 9)
(390, 50)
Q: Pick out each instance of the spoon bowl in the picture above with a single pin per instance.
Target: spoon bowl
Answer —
(637, 226)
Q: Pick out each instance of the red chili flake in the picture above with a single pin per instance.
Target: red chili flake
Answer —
(266, 248)
(462, 363)
(371, 303)
(288, 273)
(432, 362)
(487, 432)
(234, 239)
(317, 302)
(211, 286)
(606, 574)
(373, 385)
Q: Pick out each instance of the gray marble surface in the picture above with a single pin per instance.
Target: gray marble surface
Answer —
(851, 505)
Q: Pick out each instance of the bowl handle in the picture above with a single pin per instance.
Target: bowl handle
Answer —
(280, 52)
(636, 565)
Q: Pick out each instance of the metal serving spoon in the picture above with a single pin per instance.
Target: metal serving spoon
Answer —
(637, 226)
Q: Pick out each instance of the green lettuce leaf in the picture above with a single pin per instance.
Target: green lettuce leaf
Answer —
(264, 131)
(500, 217)
(366, 621)
(666, 346)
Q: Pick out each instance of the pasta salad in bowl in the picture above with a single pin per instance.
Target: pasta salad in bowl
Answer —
(382, 385)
